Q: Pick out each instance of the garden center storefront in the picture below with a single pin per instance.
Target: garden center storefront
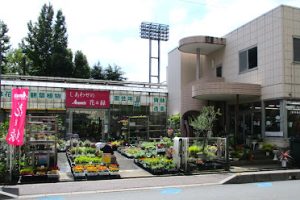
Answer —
(92, 117)
(270, 119)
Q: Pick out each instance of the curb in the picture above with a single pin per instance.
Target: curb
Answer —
(263, 176)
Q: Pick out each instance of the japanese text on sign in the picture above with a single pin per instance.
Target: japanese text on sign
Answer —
(87, 99)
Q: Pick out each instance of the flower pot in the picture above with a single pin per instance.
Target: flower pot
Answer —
(275, 152)
(283, 163)
(209, 134)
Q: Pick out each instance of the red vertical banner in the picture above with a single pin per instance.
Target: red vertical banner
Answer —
(15, 135)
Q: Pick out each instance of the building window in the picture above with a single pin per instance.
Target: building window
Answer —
(296, 44)
(293, 116)
(272, 115)
(248, 59)
(219, 71)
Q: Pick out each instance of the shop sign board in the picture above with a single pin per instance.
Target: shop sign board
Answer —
(15, 135)
(87, 99)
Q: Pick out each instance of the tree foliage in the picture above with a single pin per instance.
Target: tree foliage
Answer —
(97, 72)
(46, 45)
(4, 45)
(62, 57)
(82, 69)
(204, 121)
(114, 73)
(16, 62)
(38, 43)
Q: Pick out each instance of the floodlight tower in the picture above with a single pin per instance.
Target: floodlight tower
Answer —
(158, 32)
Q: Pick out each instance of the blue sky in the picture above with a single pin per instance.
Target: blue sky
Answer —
(108, 31)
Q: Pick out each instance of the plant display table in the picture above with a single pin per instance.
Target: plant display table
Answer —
(87, 162)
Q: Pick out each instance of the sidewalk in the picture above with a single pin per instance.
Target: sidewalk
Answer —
(44, 189)
(114, 185)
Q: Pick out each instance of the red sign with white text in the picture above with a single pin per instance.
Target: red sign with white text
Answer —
(15, 135)
(87, 99)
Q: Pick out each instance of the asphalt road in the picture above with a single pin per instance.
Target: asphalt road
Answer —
(281, 190)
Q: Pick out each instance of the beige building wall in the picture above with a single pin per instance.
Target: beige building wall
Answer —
(291, 73)
(179, 82)
(265, 32)
(174, 82)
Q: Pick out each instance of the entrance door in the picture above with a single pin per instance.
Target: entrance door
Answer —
(88, 124)
(249, 125)
(249, 122)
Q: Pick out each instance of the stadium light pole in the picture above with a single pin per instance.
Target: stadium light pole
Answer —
(158, 32)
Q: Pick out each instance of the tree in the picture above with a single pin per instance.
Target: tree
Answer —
(46, 45)
(16, 62)
(38, 43)
(82, 69)
(98, 72)
(61, 60)
(4, 45)
(204, 121)
(114, 73)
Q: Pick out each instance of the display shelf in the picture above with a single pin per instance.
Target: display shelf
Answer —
(138, 127)
(41, 148)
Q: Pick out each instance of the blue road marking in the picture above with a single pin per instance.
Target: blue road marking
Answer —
(264, 184)
(51, 198)
(170, 191)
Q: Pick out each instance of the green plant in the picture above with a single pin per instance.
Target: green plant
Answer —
(167, 141)
(90, 150)
(267, 147)
(87, 143)
(27, 170)
(148, 145)
(2, 168)
(3, 128)
(82, 160)
(204, 121)
(96, 160)
(174, 124)
(193, 150)
(210, 151)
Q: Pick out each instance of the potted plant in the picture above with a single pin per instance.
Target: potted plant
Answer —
(267, 147)
(284, 158)
(194, 150)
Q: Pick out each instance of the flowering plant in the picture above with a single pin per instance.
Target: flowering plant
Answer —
(285, 155)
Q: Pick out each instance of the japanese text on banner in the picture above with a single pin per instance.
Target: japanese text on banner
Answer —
(19, 100)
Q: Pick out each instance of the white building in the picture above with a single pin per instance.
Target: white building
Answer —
(256, 66)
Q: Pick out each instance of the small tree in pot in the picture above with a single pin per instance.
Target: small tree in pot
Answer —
(204, 121)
